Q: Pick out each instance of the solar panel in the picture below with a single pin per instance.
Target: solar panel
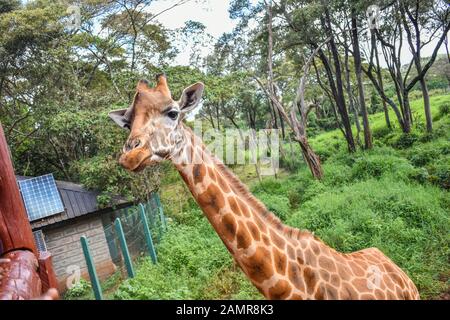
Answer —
(40, 241)
(41, 197)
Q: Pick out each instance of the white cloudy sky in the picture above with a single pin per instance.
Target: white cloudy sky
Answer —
(214, 15)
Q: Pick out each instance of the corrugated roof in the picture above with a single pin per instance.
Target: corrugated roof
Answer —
(77, 201)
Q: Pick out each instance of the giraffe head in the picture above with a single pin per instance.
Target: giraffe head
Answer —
(155, 123)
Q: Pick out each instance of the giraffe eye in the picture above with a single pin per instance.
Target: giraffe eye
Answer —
(172, 115)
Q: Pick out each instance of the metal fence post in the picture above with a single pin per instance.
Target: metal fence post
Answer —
(91, 269)
(148, 235)
(123, 246)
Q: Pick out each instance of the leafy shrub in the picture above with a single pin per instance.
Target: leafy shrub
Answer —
(440, 173)
(80, 289)
(189, 259)
(424, 154)
(405, 140)
(336, 174)
(444, 109)
(380, 132)
(375, 166)
(277, 204)
(409, 223)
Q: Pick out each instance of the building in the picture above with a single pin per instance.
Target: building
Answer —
(60, 232)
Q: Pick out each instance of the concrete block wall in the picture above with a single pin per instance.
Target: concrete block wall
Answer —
(64, 244)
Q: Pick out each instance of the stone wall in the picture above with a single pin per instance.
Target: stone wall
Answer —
(65, 246)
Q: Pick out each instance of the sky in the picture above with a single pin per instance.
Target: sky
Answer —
(214, 15)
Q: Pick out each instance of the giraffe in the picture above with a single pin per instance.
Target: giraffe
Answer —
(281, 261)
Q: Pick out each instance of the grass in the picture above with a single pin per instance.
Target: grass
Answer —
(394, 197)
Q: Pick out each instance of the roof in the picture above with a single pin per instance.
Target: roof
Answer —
(77, 201)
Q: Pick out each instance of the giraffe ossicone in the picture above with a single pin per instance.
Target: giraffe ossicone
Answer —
(281, 261)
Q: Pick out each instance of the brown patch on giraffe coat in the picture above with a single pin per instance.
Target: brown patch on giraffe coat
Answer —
(253, 230)
(266, 240)
(324, 275)
(347, 292)
(335, 280)
(291, 252)
(367, 296)
(198, 172)
(234, 206)
(390, 295)
(229, 224)
(243, 237)
(357, 270)
(244, 208)
(294, 274)
(331, 292)
(222, 184)
(212, 174)
(281, 290)
(212, 199)
(310, 279)
(361, 284)
(327, 264)
(319, 294)
(300, 258)
(315, 247)
(310, 258)
(296, 297)
(280, 261)
(277, 240)
(344, 271)
(259, 265)
(379, 295)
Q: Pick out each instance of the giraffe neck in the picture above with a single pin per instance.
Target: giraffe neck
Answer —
(271, 254)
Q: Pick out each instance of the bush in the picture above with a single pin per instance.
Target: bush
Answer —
(426, 153)
(440, 173)
(189, 259)
(80, 289)
(444, 109)
(404, 141)
(409, 223)
(277, 204)
(375, 166)
(380, 132)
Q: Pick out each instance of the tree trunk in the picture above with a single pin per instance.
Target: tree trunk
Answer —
(350, 96)
(358, 72)
(426, 103)
(311, 158)
(380, 81)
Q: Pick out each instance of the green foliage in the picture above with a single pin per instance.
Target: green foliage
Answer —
(80, 289)
(409, 223)
(277, 204)
(377, 165)
(185, 269)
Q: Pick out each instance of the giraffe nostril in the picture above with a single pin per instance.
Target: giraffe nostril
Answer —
(136, 143)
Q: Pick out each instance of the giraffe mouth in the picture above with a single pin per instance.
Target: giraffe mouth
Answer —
(148, 161)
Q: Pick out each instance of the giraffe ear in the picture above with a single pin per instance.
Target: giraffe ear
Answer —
(121, 118)
(191, 97)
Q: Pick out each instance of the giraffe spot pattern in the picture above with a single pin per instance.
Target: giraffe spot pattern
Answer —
(259, 266)
(243, 237)
(281, 290)
(280, 261)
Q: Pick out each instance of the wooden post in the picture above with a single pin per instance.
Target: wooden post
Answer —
(15, 229)
(91, 269)
(46, 272)
(123, 246)
(148, 235)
